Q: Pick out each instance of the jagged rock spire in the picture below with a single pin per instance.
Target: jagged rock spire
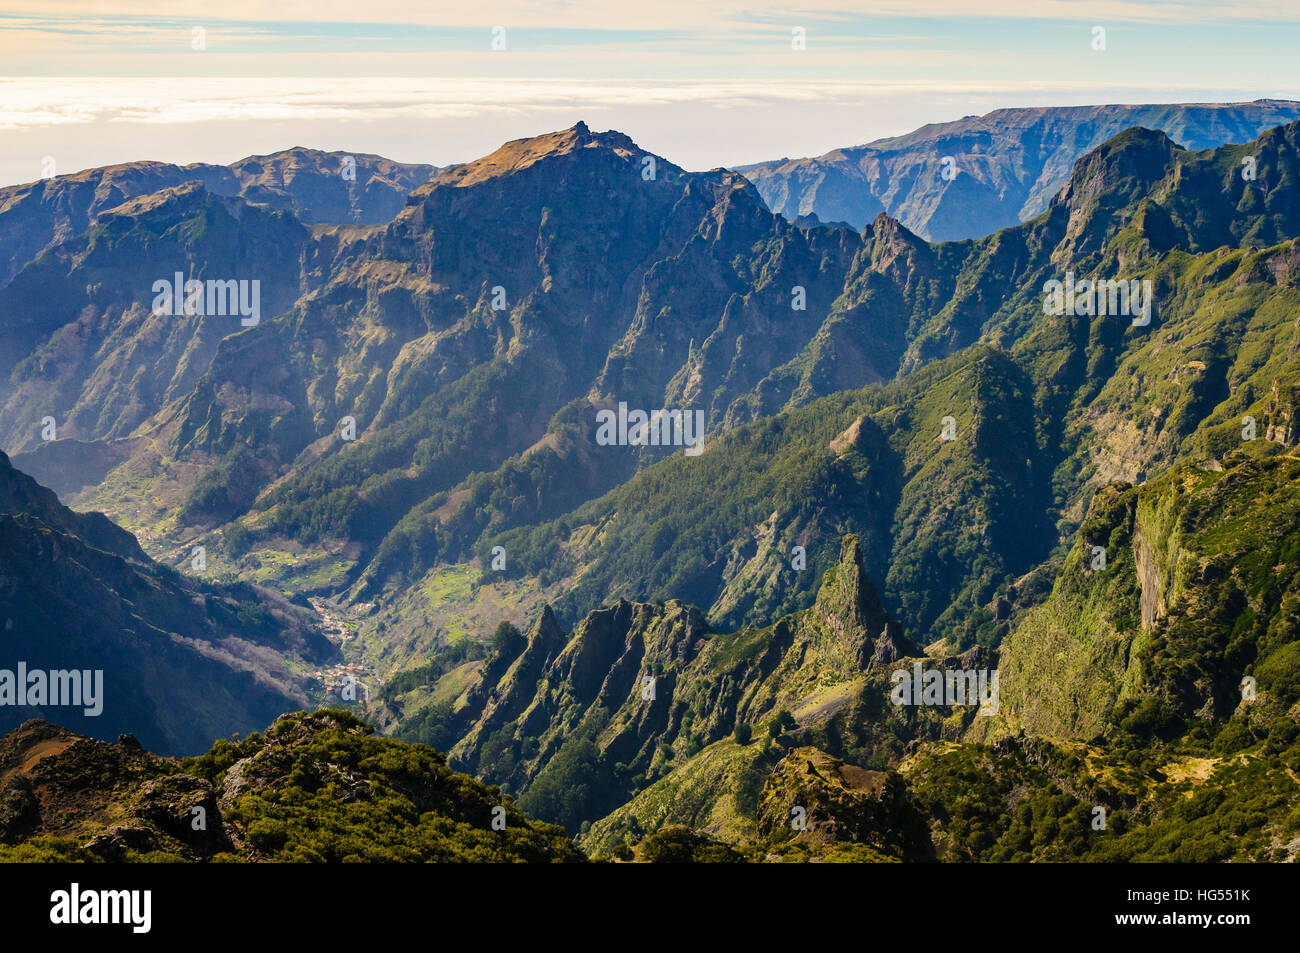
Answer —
(849, 606)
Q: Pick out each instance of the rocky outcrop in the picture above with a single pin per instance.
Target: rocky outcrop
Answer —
(848, 605)
(1282, 420)
(1149, 580)
(55, 782)
(117, 802)
(818, 801)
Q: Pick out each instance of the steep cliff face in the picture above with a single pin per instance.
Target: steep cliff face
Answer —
(1193, 598)
(1283, 420)
(1068, 661)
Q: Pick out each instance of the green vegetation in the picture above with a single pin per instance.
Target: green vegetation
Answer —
(341, 794)
(317, 788)
(681, 845)
(1104, 512)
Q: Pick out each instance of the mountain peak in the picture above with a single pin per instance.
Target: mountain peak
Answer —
(1109, 182)
(847, 598)
(545, 637)
(519, 154)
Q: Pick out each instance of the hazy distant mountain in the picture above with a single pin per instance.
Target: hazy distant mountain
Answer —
(333, 188)
(1008, 164)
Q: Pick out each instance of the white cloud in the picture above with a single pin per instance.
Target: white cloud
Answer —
(698, 125)
(180, 101)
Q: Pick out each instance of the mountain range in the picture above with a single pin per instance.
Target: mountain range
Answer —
(910, 458)
(970, 177)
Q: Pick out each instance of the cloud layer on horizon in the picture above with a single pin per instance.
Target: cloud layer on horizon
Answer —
(703, 82)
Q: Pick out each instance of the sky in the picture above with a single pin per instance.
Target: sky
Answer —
(705, 83)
